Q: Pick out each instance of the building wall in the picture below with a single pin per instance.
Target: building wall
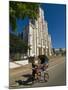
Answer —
(49, 45)
(38, 38)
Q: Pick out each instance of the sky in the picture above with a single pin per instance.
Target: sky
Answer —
(55, 15)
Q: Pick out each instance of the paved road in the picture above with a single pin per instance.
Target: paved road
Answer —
(57, 76)
(56, 71)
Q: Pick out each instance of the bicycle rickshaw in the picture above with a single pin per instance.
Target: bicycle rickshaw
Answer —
(39, 71)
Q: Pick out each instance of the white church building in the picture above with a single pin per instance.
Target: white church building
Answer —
(37, 37)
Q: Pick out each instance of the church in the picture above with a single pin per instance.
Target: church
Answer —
(37, 37)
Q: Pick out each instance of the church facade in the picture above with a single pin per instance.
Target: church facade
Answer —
(37, 36)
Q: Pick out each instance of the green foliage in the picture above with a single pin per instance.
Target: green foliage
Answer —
(60, 50)
(22, 10)
(17, 45)
(53, 49)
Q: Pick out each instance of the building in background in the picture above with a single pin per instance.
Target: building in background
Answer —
(37, 37)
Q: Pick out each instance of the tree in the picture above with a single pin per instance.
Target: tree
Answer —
(17, 45)
(60, 50)
(53, 50)
(22, 10)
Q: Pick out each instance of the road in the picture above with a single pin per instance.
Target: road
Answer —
(56, 71)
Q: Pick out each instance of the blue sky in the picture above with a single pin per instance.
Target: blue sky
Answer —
(55, 15)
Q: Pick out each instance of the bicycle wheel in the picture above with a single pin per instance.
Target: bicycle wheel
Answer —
(46, 77)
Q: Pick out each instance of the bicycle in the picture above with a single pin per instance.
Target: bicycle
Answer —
(40, 74)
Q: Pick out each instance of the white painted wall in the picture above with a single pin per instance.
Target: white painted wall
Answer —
(16, 64)
(13, 65)
(24, 62)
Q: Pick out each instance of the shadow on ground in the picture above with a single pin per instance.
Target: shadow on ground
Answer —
(29, 80)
